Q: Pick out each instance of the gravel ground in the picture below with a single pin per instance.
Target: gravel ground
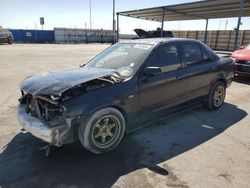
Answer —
(197, 148)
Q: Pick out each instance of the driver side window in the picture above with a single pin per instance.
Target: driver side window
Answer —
(167, 57)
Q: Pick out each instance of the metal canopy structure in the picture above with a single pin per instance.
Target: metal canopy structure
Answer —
(208, 9)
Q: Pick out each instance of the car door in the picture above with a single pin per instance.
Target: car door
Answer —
(167, 88)
(200, 69)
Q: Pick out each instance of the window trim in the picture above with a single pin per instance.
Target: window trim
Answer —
(203, 51)
(162, 45)
(182, 51)
(210, 53)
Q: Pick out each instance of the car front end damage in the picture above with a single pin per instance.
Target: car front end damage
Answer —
(241, 62)
(44, 119)
(43, 111)
(242, 68)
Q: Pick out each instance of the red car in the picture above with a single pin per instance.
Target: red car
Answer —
(242, 61)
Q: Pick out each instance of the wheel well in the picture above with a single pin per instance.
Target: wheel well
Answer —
(216, 80)
(223, 80)
(121, 110)
(112, 106)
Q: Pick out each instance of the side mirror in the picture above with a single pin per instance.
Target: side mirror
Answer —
(152, 71)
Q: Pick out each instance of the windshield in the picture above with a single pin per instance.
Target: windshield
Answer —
(124, 58)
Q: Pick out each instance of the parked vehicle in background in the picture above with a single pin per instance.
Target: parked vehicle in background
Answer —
(122, 89)
(142, 34)
(6, 36)
(242, 61)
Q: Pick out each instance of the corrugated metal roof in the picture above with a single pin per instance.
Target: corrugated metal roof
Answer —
(208, 9)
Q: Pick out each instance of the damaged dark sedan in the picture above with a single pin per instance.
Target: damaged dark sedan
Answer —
(121, 89)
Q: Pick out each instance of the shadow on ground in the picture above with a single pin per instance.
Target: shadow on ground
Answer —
(23, 165)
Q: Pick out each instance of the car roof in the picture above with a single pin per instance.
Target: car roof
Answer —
(155, 41)
(4, 30)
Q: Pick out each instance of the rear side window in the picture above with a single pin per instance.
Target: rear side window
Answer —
(213, 57)
(167, 57)
(207, 56)
(192, 54)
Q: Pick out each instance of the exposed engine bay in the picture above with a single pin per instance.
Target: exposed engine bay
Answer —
(48, 108)
(42, 111)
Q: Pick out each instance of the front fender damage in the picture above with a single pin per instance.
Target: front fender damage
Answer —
(42, 129)
(45, 116)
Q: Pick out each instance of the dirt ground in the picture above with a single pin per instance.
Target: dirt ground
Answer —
(198, 148)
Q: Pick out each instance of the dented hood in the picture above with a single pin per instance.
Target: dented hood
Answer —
(55, 83)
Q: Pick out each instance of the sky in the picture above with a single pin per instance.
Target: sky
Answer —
(25, 14)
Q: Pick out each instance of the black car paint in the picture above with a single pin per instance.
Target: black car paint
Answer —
(149, 94)
(142, 98)
(153, 89)
(55, 83)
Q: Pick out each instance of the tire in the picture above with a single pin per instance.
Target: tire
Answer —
(216, 96)
(10, 41)
(103, 131)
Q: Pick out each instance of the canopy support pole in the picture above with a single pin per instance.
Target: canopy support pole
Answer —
(114, 35)
(117, 31)
(238, 25)
(162, 21)
(205, 37)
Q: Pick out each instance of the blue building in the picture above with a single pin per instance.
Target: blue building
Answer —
(33, 36)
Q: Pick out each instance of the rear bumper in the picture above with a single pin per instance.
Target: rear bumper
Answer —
(41, 129)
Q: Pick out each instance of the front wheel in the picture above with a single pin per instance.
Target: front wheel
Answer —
(216, 96)
(103, 131)
(10, 41)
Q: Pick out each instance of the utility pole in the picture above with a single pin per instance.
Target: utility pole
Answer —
(90, 21)
(35, 27)
(114, 15)
(114, 37)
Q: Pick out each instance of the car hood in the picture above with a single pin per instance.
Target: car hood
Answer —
(55, 83)
(241, 54)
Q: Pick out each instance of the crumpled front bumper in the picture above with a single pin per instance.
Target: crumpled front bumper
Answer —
(241, 69)
(41, 129)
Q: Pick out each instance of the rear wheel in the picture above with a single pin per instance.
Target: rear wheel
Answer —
(103, 131)
(216, 96)
(10, 40)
